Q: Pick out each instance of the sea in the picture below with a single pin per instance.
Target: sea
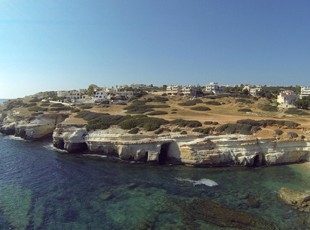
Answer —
(43, 188)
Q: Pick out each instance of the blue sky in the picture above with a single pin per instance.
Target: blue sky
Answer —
(56, 44)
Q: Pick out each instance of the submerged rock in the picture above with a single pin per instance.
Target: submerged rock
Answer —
(299, 199)
(223, 216)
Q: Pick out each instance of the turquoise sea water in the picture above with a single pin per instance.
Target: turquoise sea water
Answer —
(41, 188)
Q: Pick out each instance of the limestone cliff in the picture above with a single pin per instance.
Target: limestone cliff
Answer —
(204, 151)
(31, 128)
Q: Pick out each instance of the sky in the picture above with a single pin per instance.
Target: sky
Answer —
(52, 45)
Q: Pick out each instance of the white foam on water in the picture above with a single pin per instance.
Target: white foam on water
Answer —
(53, 148)
(203, 181)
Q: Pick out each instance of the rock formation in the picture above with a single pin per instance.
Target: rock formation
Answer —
(299, 199)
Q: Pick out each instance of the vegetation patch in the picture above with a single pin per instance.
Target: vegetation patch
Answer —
(246, 110)
(186, 123)
(243, 100)
(191, 102)
(269, 108)
(86, 107)
(200, 108)
(295, 111)
(278, 132)
(37, 109)
(203, 131)
(248, 126)
(134, 130)
(213, 103)
(211, 123)
(140, 107)
(154, 113)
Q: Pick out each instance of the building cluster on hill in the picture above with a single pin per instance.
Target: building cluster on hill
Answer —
(286, 97)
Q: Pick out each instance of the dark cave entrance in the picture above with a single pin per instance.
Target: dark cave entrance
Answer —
(163, 155)
(258, 160)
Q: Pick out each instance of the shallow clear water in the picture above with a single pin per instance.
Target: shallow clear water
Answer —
(41, 188)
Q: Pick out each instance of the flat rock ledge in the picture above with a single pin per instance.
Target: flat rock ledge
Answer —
(298, 199)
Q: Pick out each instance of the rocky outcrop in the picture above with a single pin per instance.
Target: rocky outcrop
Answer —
(206, 151)
(70, 138)
(299, 199)
(31, 128)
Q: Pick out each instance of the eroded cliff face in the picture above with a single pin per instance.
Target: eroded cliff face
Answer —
(31, 128)
(207, 151)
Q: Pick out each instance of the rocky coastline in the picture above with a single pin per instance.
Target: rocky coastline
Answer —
(219, 150)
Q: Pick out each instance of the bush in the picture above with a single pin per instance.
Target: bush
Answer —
(211, 123)
(295, 111)
(213, 103)
(134, 131)
(57, 105)
(246, 110)
(60, 108)
(86, 107)
(153, 113)
(35, 99)
(278, 132)
(31, 104)
(203, 131)
(200, 108)
(187, 103)
(243, 100)
(160, 99)
(45, 104)
(186, 123)
(37, 109)
(176, 130)
(183, 132)
(292, 135)
(269, 108)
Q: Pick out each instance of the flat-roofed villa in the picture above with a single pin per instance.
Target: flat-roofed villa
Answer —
(286, 98)
(304, 91)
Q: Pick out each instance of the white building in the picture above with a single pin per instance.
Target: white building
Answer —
(304, 91)
(70, 94)
(286, 98)
(189, 90)
(173, 89)
(213, 87)
(100, 94)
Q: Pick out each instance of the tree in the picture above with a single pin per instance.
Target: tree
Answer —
(91, 89)
(303, 103)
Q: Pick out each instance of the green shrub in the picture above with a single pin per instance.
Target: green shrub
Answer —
(188, 103)
(134, 130)
(31, 104)
(60, 108)
(193, 124)
(35, 99)
(176, 130)
(246, 110)
(295, 111)
(153, 113)
(37, 109)
(213, 103)
(75, 110)
(269, 108)
(211, 123)
(57, 105)
(160, 99)
(292, 135)
(183, 132)
(278, 132)
(45, 104)
(203, 131)
(243, 100)
(186, 123)
(86, 107)
(200, 108)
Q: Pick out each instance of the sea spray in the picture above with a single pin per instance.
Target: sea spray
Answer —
(203, 181)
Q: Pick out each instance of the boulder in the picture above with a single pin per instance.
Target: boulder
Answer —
(299, 199)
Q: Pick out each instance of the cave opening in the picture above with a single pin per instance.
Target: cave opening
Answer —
(163, 155)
